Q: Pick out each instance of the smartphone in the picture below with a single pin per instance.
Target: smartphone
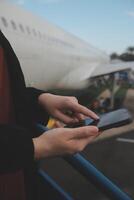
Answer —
(108, 120)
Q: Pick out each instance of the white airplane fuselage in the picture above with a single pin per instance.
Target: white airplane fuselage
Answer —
(49, 56)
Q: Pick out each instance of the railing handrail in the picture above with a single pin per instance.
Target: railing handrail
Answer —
(92, 174)
(97, 178)
(56, 188)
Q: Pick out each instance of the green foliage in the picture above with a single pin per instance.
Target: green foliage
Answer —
(128, 55)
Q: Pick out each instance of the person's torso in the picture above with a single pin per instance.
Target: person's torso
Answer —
(11, 184)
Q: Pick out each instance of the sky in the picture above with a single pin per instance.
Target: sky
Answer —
(106, 24)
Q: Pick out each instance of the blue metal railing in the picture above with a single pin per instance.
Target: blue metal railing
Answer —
(55, 188)
(92, 174)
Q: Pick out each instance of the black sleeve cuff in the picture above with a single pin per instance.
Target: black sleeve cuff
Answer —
(37, 112)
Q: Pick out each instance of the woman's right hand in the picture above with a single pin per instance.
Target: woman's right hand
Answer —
(61, 141)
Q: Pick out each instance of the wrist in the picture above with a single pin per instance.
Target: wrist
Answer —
(41, 148)
(37, 155)
(43, 97)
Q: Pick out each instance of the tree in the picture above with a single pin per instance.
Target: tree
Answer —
(126, 56)
(130, 49)
(114, 56)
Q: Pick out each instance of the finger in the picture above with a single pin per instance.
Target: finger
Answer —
(58, 124)
(83, 110)
(79, 116)
(74, 99)
(83, 132)
(90, 139)
(84, 142)
(75, 116)
(79, 144)
(72, 115)
(65, 118)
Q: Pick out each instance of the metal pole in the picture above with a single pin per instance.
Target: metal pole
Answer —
(92, 174)
(55, 187)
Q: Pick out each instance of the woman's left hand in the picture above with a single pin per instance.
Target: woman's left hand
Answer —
(65, 108)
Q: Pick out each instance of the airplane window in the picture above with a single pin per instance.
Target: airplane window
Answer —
(13, 25)
(28, 30)
(4, 21)
(21, 28)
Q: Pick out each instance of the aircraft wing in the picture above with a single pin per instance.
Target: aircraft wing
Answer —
(112, 67)
(80, 77)
(77, 78)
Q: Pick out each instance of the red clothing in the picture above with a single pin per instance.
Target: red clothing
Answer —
(11, 184)
(6, 106)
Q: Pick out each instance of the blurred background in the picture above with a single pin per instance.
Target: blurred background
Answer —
(102, 38)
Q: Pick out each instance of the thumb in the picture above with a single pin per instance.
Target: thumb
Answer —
(83, 132)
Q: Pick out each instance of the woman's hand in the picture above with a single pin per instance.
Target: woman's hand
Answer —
(64, 108)
(61, 141)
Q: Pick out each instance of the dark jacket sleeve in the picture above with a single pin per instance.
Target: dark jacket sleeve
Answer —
(38, 114)
(16, 148)
(23, 97)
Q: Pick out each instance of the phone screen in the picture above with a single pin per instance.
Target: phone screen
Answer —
(112, 119)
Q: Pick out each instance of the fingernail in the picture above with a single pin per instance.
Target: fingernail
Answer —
(97, 117)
